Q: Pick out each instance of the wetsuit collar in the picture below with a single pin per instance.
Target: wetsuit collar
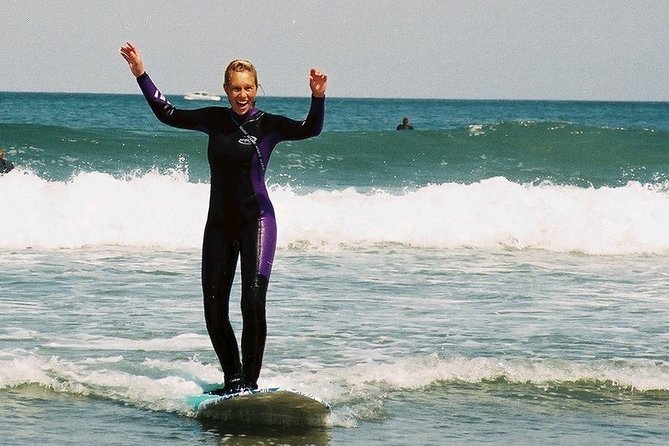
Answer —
(246, 116)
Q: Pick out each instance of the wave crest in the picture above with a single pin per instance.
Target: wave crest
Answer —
(165, 210)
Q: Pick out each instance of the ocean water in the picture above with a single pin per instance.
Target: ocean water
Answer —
(499, 275)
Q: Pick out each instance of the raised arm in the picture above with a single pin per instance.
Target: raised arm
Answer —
(161, 107)
(313, 124)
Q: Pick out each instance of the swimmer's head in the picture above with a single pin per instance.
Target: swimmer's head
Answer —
(241, 85)
(237, 66)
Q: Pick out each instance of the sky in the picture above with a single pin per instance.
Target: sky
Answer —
(452, 49)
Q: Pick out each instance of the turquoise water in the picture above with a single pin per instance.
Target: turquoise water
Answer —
(499, 275)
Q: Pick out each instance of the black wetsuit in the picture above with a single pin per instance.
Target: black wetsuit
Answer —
(240, 221)
(5, 166)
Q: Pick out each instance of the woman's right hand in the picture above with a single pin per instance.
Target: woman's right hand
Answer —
(131, 55)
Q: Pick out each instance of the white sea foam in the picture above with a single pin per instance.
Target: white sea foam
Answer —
(164, 385)
(166, 211)
(414, 373)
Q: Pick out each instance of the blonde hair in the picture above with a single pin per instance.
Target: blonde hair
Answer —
(237, 66)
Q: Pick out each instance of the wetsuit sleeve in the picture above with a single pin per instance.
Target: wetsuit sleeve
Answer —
(314, 122)
(311, 126)
(168, 113)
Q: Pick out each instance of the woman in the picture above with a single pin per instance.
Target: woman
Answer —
(240, 221)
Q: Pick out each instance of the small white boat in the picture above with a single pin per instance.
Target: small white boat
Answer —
(201, 96)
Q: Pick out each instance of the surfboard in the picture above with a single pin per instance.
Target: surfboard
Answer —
(272, 406)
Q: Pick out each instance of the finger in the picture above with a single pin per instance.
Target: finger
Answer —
(319, 78)
(129, 49)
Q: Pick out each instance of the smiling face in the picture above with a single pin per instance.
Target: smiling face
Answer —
(241, 86)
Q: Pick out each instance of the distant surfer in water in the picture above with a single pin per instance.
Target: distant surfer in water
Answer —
(240, 221)
(5, 165)
(405, 124)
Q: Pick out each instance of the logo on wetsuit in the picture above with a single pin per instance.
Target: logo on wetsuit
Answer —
(248, 140)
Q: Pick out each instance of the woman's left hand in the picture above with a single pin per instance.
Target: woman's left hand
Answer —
(318, 82)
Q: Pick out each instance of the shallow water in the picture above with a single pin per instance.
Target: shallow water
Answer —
(409, 346)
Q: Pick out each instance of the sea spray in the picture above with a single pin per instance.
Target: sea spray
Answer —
(168, 211)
